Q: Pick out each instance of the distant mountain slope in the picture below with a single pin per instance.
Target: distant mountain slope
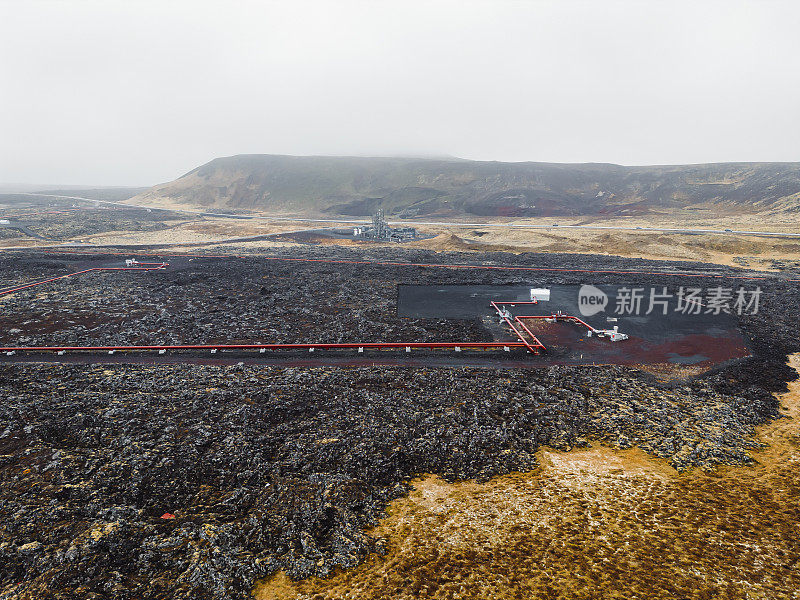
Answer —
(454, 187)
(112, 194)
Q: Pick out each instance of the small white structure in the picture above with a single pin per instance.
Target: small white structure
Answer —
(5, 222)
(540, 295)
(131, 262)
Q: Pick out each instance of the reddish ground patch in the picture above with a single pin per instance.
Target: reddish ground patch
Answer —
(568, 342)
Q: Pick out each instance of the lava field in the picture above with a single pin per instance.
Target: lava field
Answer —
(253, 299)
(194, 481)
(65, 222)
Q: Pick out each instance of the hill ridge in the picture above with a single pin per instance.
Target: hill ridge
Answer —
(451, 187)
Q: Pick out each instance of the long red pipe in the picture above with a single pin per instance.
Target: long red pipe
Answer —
(154, 267)
(584, 323)
(533, 348)
(537, 343)
(305, 346)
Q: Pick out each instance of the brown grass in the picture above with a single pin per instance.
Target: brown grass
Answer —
(714, 248)
(596, 523)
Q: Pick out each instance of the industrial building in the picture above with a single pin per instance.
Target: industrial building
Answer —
(380, 231)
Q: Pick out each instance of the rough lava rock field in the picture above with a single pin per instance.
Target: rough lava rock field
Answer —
(196, 480)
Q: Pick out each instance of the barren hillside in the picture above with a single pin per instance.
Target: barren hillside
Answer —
(413, 187)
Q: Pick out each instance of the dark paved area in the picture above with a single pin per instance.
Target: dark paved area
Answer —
(676, 338)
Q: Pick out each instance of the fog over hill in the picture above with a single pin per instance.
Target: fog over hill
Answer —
(415, 187)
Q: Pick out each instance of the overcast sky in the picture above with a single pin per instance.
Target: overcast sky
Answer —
(136, 93)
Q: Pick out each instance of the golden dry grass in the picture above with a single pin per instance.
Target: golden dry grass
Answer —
(590, 524)
(758, 252)
(713, 248)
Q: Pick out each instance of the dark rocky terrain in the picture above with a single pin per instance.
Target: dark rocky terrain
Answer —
(268, 469)
(65, 223)
(452, 187)
(193, 481)
(352, 298)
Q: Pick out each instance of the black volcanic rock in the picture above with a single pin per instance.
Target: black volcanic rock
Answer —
(269, 468)
(146, 481)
